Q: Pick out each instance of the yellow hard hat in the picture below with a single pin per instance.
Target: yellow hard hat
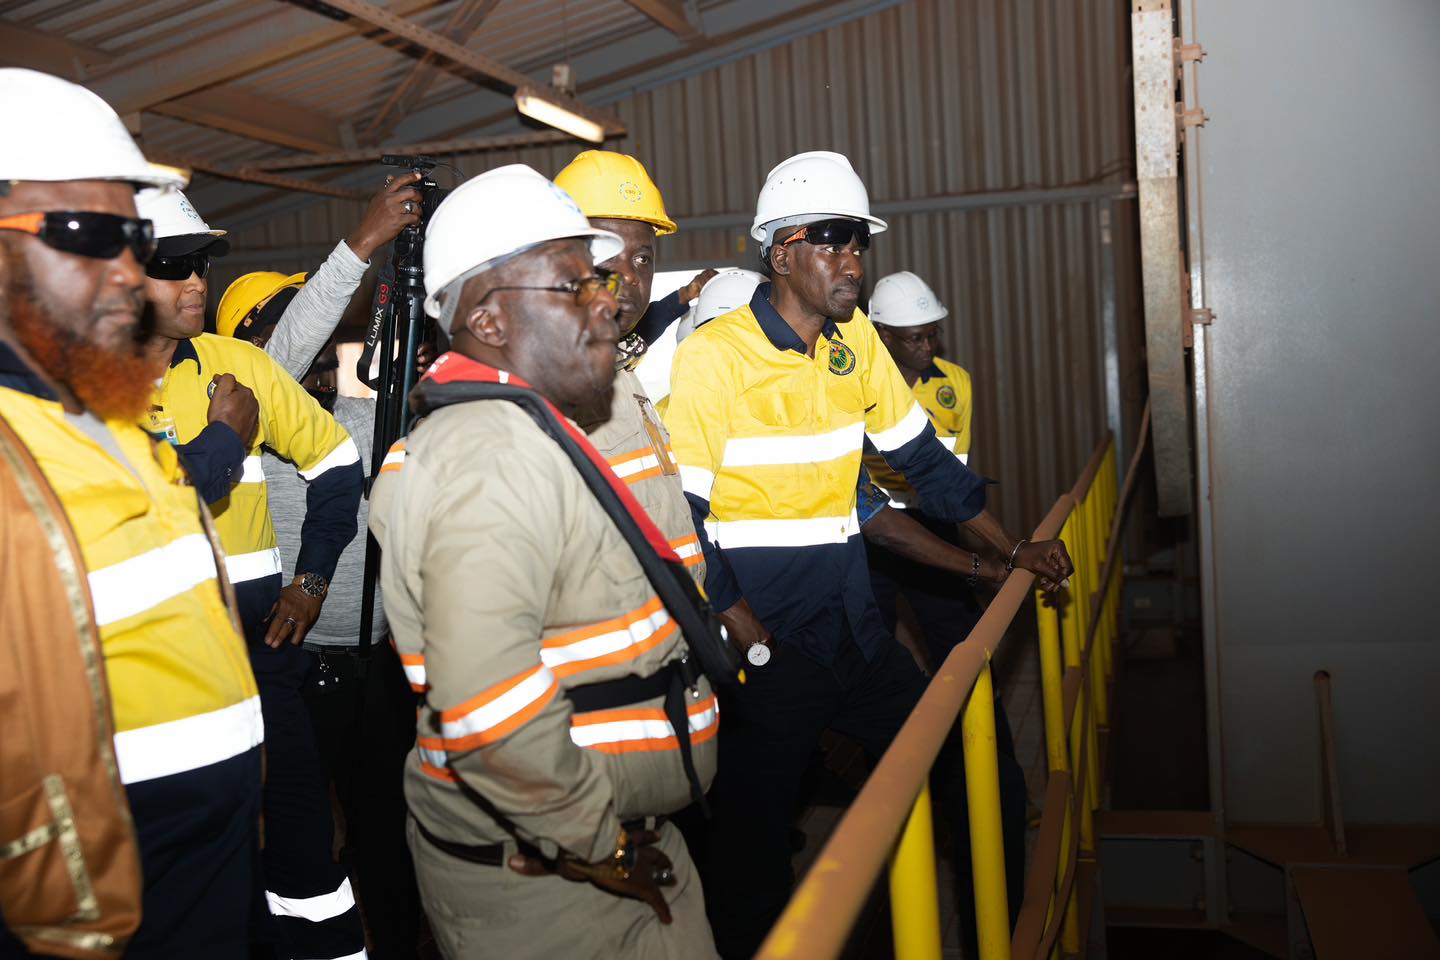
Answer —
(615, 185)
(251, 292)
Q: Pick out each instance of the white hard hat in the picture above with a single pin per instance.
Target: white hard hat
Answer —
(904, 300)
(178, 227)
(808, 187)
(495, 215)
(728, 290)
(58, 130)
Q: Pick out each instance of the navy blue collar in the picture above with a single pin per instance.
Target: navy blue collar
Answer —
(184, 350)
(931, 371)
(16, 375)
(776, 330)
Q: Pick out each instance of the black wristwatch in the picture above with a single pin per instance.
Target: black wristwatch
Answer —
(312, 585)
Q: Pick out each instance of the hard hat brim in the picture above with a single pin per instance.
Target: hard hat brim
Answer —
(757, 231)
(212, 242)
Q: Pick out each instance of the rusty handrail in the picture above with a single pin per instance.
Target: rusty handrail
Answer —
(843, 875)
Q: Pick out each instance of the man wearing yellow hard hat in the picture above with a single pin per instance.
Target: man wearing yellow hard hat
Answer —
(615, 192)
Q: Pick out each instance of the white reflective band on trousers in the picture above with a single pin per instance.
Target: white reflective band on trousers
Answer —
(796, 448)
(342, 456)
(252, 566)
(164, 749)
(253, 472)
(909, 427)
(133, 586)
(806, 532)
(315, 909)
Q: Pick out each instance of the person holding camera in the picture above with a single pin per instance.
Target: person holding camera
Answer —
(231, 399)
(563, 719)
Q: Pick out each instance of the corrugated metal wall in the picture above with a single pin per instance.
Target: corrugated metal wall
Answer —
(932, 100)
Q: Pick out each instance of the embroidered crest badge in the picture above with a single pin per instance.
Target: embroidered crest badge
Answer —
(842, 358)
(946, 397)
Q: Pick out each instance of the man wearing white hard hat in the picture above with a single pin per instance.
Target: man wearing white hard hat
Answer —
(770, 408)
(197, 367)
(533, 603)
(130, 775)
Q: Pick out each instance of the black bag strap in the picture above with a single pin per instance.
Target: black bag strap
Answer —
(676, 589)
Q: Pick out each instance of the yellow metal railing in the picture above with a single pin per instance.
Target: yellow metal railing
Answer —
(891, 818)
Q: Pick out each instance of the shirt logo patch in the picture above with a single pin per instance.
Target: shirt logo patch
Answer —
(946, 397)
(842, 358)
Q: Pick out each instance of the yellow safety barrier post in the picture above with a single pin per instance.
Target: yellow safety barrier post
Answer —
(1052, 683)
(914, 897)
(987, 845)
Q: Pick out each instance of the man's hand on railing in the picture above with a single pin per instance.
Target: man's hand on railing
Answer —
(1049, 561)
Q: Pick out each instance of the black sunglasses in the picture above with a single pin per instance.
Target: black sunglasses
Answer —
(86, 234)
(178, 268)
(832, 233)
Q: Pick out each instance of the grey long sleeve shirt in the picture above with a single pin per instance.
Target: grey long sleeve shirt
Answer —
(316, 311)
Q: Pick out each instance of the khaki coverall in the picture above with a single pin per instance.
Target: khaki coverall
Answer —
(506, 584)
(629, 435)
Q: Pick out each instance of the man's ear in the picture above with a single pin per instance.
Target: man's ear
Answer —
(488, 326)
(780, 260)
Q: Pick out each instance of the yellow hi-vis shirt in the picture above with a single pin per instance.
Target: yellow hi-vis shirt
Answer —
(944, 393)
(769, 444)
(291, 423)
(180, 681)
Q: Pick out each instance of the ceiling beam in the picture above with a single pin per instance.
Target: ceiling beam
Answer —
(470, 59)
(430, 147)
(671, 15)
(258, 118)
(462, 25)
(141, 81)
(234, 111)
(201, 165)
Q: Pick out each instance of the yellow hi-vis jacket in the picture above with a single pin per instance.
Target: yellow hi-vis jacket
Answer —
(180, 681)
(944, 393)
(294, 426)
(769, 441)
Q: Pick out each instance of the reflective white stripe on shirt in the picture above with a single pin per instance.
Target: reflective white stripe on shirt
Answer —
(253, 472)
(903, 432)
(252, 566)
(343, 455)
(638, 465)
(797, 448)
(315, 909)
(603, 644)
(133, 586)
(414, 666)
(691, 549)
(640, 730)
(495, 716)
(163, 749)
(807, 532)
(963, 458)
(697, 481)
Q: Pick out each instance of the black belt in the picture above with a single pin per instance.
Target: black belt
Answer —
(670, 681)
(493, 854)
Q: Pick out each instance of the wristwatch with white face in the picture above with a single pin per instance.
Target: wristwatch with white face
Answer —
(312, 585)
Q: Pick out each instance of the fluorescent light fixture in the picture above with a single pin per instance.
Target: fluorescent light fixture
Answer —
(536, 106)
